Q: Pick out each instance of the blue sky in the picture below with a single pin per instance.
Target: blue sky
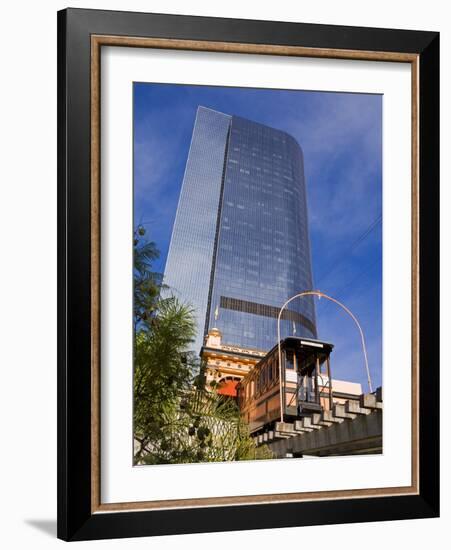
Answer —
(341, 136)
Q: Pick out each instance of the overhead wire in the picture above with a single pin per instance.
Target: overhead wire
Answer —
(332, 267)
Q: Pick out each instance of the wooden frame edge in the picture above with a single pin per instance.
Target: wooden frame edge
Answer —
(235, 47)
(110, 40)
(95, 276)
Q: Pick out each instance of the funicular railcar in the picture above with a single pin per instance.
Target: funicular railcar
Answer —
(306, 384)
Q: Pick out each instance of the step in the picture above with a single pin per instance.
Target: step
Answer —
(328, 416)
(340, 412)
(354, 408)
(299, 427)
(307, 423)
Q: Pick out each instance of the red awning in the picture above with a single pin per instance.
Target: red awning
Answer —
(228, 387)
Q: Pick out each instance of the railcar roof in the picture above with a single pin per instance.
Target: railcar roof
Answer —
(293, 339)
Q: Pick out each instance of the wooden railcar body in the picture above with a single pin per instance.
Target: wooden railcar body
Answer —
(305, 387)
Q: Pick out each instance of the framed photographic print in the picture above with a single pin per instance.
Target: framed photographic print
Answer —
(248, 274)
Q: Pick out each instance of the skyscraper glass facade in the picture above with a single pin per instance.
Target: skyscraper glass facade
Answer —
(190, 256)
(242, 218)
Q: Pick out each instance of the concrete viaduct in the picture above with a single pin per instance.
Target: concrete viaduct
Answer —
(354, 427)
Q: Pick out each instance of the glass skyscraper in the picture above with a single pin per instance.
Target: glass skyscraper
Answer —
(240, 244)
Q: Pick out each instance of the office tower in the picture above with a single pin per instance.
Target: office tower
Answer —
(240, 245)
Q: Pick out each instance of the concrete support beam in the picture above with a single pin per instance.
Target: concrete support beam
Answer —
(299, 427)
(340, 412)
(325, 423)
(354, 427)
(354, 408)
(368, 400)
(281, 435)
(307, 423)
(285, 427)
(328, 416)
(361, 435)
(316, 419)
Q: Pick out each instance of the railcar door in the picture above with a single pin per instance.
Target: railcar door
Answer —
(309, 356)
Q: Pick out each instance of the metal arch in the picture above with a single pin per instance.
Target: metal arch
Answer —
(348, 311)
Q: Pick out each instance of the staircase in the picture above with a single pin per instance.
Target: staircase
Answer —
(354, 427)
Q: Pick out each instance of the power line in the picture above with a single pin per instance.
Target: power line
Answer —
(361, 276)
(351, 248)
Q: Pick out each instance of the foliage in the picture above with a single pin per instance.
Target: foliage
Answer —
(176, 419)
(146, 282)
(201, 427)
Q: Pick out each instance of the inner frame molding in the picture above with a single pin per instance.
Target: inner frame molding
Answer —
(97, 41)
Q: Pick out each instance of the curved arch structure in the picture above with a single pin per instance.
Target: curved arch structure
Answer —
(348, 311)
